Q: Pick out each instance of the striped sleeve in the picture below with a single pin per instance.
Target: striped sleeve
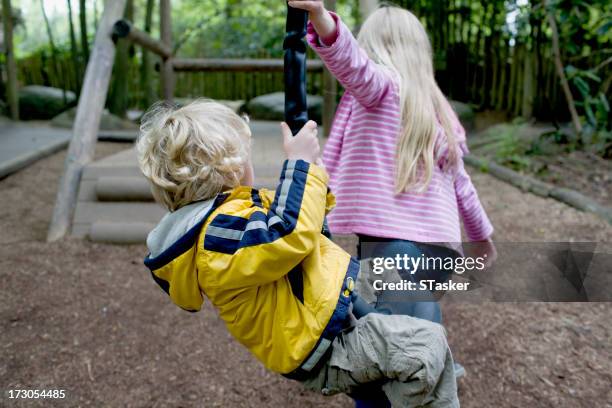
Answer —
(367, 81)
(258, 245)
(475, 220)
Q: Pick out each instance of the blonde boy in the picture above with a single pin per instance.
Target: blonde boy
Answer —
(282, 288)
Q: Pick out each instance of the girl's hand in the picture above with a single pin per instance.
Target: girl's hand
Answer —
(314, 7)
(304, 145)
(322, 21)
(485, 249)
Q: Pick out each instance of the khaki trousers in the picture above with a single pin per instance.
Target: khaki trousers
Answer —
(408, 356)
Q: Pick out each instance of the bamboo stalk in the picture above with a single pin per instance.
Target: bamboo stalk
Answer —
(74, 52)
(571, 105)
(11, 69)
(56, 67)
(83, 24)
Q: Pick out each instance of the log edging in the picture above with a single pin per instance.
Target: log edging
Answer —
(530, 184)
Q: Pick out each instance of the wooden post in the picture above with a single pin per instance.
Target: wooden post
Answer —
(87, 121)
(167, 70)
(125, 29)
(11, 70)
(330, 89)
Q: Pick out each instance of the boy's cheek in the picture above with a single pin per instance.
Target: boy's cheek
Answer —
(249, 175)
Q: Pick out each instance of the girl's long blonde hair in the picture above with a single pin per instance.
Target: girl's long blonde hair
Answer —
(396, 39)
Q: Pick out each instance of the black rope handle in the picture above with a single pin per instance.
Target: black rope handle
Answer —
(296, 108)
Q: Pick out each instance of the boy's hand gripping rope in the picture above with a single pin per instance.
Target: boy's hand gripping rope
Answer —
(296, 108)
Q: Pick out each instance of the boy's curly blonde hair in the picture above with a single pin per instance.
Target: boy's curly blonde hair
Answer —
(192, 153)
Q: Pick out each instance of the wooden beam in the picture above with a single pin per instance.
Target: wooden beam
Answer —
(167, 71)
(236, 65)
(330, 89)
(87, 121)
(12, 96)
(125, 29)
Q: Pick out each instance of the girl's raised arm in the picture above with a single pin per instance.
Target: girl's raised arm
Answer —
(367, 81)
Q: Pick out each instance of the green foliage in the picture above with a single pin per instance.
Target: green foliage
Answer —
(585, 30)
(512, 150)
(233, 28)
(592, 101)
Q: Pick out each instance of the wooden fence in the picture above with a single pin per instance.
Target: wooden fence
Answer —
(480, 63)
(38, 69)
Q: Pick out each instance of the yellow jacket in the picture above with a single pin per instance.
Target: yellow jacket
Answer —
(282, 287)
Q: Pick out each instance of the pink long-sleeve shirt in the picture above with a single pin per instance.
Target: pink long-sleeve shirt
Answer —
(360, 158)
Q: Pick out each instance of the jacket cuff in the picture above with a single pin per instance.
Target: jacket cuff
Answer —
(314, 40)
(309, 168)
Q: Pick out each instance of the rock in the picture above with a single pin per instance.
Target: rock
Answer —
(42, 102)
(465, 113)
(272, 107)
(3, 109)
(107, 122)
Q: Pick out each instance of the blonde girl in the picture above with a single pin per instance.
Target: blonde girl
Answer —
(395, 149)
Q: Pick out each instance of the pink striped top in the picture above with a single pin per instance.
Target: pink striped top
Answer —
(360, 158)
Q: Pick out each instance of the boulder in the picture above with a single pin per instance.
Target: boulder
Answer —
(4, 111)
(465, 113)
(272, 107)
(107, 122)
(42, 102)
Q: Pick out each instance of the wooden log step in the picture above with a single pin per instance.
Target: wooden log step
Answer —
(123, 189)
(120, 232)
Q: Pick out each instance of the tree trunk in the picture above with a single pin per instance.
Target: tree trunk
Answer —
(74, 51)
(473, 78)
(167, 70)
(87, 121)
(492, 98)
(146, 69)
(83, 24)
(528, 86)
(11, 70)
(517, 90)
(501, 89)
(571, 105)
(119, 95)
(512, 83)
